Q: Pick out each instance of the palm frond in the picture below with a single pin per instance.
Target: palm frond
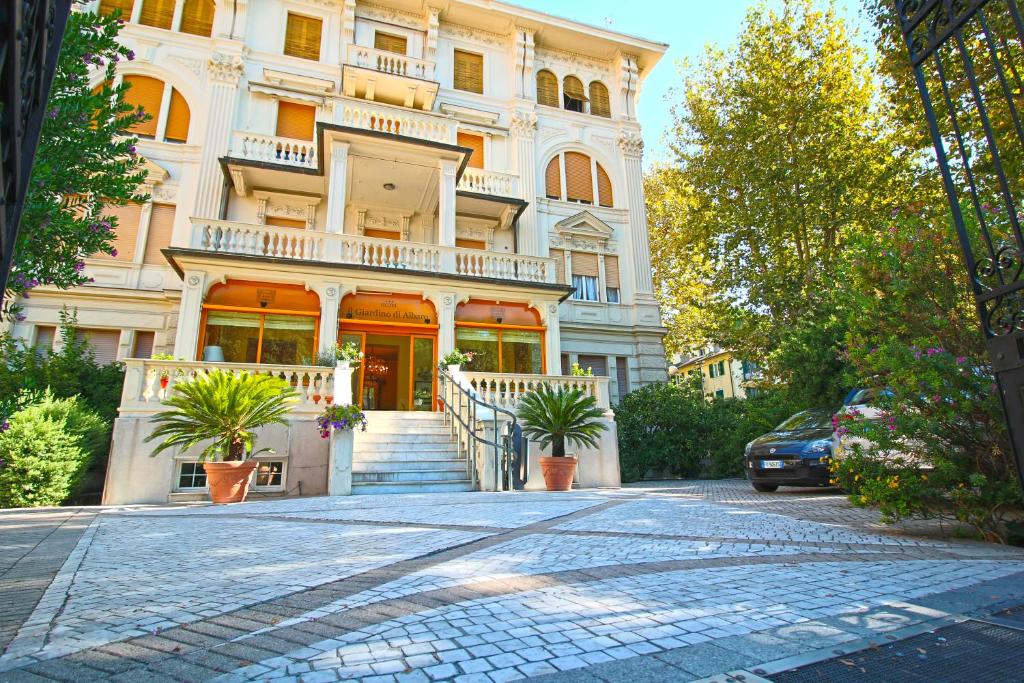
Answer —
(559, 416)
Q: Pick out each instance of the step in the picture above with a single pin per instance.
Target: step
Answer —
(368, 488)
(431, 436)
(439, 465)
(396, 416)
(407, 476)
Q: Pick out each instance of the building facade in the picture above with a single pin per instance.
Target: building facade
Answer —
(722, 375)
(410, 176)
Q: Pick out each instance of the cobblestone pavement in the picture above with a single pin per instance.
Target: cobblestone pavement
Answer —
(661, 582)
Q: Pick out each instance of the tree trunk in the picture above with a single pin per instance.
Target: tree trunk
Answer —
(557, 446)
(236, 451)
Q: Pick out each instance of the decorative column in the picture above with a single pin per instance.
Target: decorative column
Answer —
(223, 71)
(523, 129)
(430, 44)
(523, 48)
(445, 303)
(190, 311)
(632, 146)
(330, 298)
(337, 183)
(446, 214)
(629, 84)
(552, 338)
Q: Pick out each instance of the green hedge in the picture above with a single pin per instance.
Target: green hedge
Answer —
(674, 430)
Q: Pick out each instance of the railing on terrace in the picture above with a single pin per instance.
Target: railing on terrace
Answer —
(271, 149)
(505, 389)
(147, 382)
(390, 62)
(229, 237)
(489, 182)
(384, 118)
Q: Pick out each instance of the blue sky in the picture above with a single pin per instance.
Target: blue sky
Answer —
(687, 26)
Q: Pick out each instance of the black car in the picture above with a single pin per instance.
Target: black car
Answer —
(795, 453)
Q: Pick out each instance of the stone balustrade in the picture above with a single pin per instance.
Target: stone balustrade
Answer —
(148, 382)
(483, 181)
(271, 149)
(390, 63)
(384, 118)
(504, 389)
(249, 239)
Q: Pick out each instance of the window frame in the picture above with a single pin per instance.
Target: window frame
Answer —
(577, 288)
(319, 48)
(609, 299)
(283, 461)
(198, 471)
(483, 70)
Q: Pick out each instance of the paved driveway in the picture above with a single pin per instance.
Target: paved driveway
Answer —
(673, 583)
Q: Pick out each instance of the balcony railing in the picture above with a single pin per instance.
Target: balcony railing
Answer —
(148, 382)
(274, 150)
(505, 389)
(384, 118)
(390, 62)
(489, 182)
(229, 237)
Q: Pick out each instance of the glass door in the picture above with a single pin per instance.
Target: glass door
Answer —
(423, 373)
(359, 339)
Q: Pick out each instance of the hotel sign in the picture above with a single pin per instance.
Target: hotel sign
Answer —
(387, 308)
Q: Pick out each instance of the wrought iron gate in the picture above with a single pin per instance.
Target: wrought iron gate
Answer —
(968, 61)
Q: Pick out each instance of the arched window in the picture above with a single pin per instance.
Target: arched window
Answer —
(197, 17)
(572, 94)
(584, 179)
(149, 94)
(600, 105)
(547, 88)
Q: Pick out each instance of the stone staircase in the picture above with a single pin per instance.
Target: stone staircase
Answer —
(406, 452)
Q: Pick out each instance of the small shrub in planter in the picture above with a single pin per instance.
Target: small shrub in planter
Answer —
(348, 417)
(458, 358)
(555, 417)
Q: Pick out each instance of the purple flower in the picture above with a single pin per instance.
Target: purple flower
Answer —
(92, 279)
(52, 114)
(892, 428)
(87, 58)
(115, 59)
(113, 252)
(20, 317)
(131, 55)
(80, 266)
(960, 360)
(131, 149)
(4, 426)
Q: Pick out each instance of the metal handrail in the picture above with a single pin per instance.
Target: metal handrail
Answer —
(465, 416)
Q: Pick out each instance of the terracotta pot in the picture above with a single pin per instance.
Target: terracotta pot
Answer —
(229, 481)
(558, 472)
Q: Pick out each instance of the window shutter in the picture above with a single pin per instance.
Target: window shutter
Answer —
(604, 187)
(126, 232)
(143, 347)
(107, 7)
(197, 17)
(559, 257)
(469, 72)
(44, 337)
(178, 116)
(302, 37)
(390, 43)
(622, 376)
(611, 271)
(295, 120)
(553, 180)
(547, 89)
(147, 93)
(597, 364)
(382, 234)
(573, 87)
(579, 182)
(104, 343)
(470, 244)
(584, 263)
(158, 13)
(600, 105)
(476, 143)
(280, 222)
(161, 226)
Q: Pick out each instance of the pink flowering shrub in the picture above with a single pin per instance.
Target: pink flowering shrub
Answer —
(937, 446)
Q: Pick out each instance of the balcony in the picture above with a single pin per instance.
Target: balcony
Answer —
(246, 239)
(382, 118)
(270, 149)
(389, 77)
(494, 183)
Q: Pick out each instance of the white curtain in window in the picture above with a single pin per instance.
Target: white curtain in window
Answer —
(586, 287)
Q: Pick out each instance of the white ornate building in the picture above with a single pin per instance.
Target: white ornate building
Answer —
(410, 175)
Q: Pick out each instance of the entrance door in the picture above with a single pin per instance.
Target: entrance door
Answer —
(397, 372)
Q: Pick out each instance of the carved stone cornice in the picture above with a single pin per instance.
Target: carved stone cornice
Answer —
(523, 123)
(631, 144)
(225, 68)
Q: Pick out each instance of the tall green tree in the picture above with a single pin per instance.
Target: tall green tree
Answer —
(86, 161)
(783, 155)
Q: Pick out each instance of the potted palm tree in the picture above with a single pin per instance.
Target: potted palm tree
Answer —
(227, 409)
(555, 417)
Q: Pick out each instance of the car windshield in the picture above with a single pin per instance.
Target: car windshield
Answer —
(809, 419)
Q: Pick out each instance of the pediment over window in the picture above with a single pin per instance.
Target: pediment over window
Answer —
(583, 231)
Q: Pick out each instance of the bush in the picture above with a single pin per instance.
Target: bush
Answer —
(673, 429)
(940, 448)
(46, 449)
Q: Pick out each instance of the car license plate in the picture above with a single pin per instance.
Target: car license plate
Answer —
(772, 464)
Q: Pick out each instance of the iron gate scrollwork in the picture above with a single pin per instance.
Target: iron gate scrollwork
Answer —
(968, 63)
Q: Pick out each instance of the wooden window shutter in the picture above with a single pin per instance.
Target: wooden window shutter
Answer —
(143, 347)
(302, 37)
(597, 364)
(161, 226)
(611, 271)
(573, 87)
(390, 43)
(281, 222)
(197, 17)
(600, 105)
(178, 117)
(104, 343)
(559, 257)
(622, 376)
(553, 180)
(147, 93)
(547, 89)
(579, 182)
(126, 232)
(584, 263)
(382, 234)
(108, 7)
(158, 13)
(476, 143)
(469, 72)
(45, 335)
(604, 187)
(470, 244)
(295, 120)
